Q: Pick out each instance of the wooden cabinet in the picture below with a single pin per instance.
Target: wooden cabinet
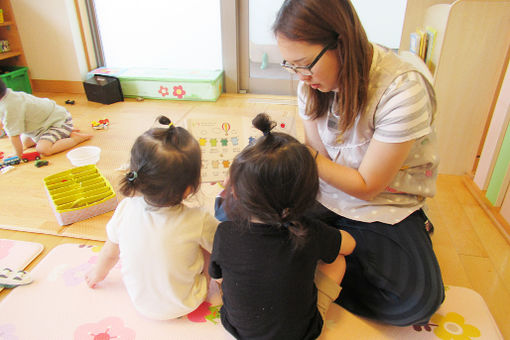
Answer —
(9, 31)
(470, 57)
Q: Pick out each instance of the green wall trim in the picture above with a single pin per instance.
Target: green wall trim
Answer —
(500, 169)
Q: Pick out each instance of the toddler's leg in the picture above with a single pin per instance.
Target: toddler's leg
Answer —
(46, 147)
(327, 291)
(327, 280)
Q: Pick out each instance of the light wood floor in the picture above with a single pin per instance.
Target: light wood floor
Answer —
(471, 250)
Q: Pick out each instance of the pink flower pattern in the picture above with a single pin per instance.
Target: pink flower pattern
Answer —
(179, 92)
(163, 90)
(108, 328)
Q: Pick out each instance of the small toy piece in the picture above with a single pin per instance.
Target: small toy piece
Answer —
(30, 156)
(12, 160)
(140, 99)
(40, 163)
(6, 169)
(1, 155)
(70, 102)
(101, 125)
(11, 279)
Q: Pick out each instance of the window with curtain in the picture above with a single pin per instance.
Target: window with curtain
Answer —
(160, 33)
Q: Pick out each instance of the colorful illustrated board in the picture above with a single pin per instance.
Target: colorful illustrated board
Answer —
(222, 138)
(59, 305)
(16, 255)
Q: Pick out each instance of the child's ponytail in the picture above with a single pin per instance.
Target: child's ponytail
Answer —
(275, 181)
(170, 131)
(297, 229)
(128, 183)
(263, 123)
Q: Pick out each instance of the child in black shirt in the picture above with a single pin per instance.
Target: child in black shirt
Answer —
(280, 270)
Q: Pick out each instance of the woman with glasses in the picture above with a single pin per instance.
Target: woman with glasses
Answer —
(368, 122)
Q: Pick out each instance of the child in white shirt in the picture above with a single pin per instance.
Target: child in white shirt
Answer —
(163, 245)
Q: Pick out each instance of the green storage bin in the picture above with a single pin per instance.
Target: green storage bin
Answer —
(17, 78)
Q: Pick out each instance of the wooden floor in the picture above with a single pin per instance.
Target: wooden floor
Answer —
(471, 250)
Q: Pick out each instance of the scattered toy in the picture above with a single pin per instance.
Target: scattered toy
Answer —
(101, 125)
(140, 99)
(12, 160)
(6, 169)
(30, 156)
(70, 102)
(40, 163)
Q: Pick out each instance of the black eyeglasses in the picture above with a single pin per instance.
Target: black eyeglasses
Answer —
(307, 70)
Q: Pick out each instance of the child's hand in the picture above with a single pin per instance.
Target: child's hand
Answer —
(93, 277)
(107, 259)
(348, 243)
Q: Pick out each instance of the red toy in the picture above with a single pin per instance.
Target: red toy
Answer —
(30, 156)
(101, 125)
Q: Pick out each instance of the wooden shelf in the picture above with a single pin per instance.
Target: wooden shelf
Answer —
(9, 31)
(11, 54)
(469, 58)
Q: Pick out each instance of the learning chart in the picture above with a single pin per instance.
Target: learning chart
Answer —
(223, 137)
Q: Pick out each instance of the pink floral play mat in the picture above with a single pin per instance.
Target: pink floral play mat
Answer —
(59, 305)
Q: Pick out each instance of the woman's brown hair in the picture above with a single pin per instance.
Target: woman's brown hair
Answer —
(323, 22)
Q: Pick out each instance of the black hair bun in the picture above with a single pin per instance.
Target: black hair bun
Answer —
(163, 120)
(263, 123)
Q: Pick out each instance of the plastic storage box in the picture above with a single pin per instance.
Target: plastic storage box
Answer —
(165, 83)
(16, 78)
(79, 193)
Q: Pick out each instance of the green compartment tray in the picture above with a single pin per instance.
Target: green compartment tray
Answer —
(79, 193)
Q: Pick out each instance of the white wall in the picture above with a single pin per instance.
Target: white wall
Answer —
(382, 20)
(51, 39)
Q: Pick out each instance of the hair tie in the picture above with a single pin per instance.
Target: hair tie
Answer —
(131, 176)
(170, 124)
(266, 133)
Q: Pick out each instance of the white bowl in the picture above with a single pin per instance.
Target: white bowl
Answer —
(84, 155)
